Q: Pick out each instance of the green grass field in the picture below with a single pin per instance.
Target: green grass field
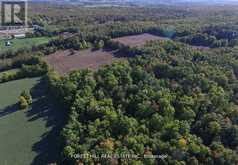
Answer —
(27, 136)
(22, 43)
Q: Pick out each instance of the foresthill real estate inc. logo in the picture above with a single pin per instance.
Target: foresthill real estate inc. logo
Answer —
(13, 13)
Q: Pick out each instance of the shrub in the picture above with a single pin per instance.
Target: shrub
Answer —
(27, 96)
(23, 102)
(100, 44)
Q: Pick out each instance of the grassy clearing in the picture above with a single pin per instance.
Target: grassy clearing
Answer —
(23, 43)
(27, 136)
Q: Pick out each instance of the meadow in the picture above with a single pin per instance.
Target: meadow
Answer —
(28, 136)
(25, 43)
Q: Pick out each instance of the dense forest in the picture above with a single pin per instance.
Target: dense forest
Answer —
(168, 98)
(196, 25)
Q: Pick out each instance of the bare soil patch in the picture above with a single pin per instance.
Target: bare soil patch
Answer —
(66, 61)
(141, 39)
(138, 40)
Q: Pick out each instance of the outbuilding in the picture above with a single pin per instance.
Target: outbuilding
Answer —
(19, 35)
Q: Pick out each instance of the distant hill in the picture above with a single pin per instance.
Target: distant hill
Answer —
(141, 2)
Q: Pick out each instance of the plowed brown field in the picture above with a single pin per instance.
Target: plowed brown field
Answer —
(138, 40)
(66, 61)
